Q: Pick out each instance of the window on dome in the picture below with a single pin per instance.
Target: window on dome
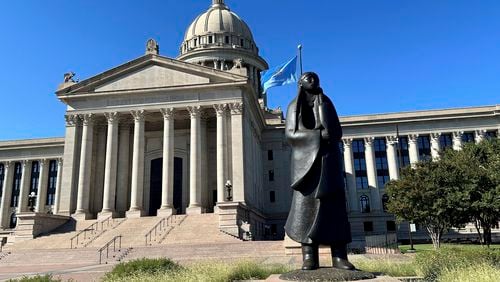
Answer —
(195, 42)
(210, 39)
(242, 42)
(226, 39)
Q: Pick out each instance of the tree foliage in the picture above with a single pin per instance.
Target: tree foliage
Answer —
(462, 186)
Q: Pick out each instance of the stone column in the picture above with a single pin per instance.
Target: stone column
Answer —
(110, 171)
(82, 208)
(24, 187)
(194, 162)
(371, 172)
(123, 181)
(221, 111)
(457, 140)
(479, 135)
(237, 152)
(70, 166)
(136, 197)
(6, 194)
(41, 197)
(167, 185)
(413, 149)
(350, 175)
(435, 145)
(57, 200)
(392, 158)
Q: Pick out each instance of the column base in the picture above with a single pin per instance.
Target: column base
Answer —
(164, 212)
(82, 215)
(105, 214)
(134, 214)
(194, 210)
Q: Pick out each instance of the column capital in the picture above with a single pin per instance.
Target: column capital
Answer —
(88, 119)
(457, 134)
(168, 113)
(392, 140)
(72, 120)
(347, 142)
(6, 164)
(220, 109)
(435, 136)
(138, 115)
(413, 138)
(42, 162)
(369, 140)
(194, 111)
(112, 117)
(236, 108)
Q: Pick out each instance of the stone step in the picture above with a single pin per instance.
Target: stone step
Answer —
(51, 256)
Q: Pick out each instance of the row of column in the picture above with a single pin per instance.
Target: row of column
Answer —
(24, 185)
(137, 178)
(392, 161)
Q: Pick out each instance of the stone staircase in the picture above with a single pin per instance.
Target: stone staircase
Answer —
(198, 229)
(40, 257)
(58, 239)
(132, 231)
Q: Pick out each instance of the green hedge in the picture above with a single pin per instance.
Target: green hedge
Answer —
(144, 266)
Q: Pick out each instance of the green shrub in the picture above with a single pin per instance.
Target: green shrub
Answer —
(253, 271)
(388, 267)
(143, 266)
(431, 264)
(482, 272)
(37, 278)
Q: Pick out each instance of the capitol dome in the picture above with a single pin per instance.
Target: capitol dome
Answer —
(219, 38)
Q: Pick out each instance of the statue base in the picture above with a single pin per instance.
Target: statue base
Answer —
(326, 274)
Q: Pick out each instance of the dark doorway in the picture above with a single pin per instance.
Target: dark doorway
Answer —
(155, 186)
(178, 186)
(156, 183)
(13, 221)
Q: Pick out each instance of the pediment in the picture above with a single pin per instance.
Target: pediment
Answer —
(150, 72)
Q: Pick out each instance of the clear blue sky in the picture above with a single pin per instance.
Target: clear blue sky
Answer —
(372, 56)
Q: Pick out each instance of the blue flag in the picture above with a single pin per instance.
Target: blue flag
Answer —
(280, 75)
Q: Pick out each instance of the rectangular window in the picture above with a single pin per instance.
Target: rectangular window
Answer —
(2, 174)
(403, 153)
(271, 175)
(445, 141)
(391, 225)
(242, 42)
(16, 185)
(227, 39)
(35, 174)
(468, 137)
(274, 229)
(368, 226)
(272, 196)
(491, 134)
(424, 147)
(381, 162)
(270, 155)
(358, 151)
(51, 188)
(210, 39)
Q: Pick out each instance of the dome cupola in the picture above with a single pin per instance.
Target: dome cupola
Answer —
(220, 39)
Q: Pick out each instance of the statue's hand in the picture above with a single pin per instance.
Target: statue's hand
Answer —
(324, 134)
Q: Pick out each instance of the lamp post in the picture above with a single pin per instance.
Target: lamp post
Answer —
(229, 197)
(31, 201)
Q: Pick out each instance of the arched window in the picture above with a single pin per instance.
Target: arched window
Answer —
(385, 200)
(365, 204)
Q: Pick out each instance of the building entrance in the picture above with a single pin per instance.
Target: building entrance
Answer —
(156, 186)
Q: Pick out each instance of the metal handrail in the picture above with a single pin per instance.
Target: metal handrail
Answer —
(92, 228)
(112, 241)
(107, 221)
(160, 225)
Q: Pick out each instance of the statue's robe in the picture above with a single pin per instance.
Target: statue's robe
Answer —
(318, 212)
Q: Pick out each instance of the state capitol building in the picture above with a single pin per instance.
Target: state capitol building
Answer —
(158, 136)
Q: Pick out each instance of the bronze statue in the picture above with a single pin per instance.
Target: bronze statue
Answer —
(318, 213)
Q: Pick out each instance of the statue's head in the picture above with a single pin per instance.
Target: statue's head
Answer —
(309, 82)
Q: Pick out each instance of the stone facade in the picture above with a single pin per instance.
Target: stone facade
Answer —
(158, 136)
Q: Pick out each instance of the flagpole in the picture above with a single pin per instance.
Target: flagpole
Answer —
(300, 57)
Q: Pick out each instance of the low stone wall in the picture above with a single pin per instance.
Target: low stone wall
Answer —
(31, 225)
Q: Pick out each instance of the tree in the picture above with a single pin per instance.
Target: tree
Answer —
(429, 195)
(478, 167)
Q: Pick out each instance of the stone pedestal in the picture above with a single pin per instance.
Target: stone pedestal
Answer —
(326, 274)
(82, 216)
(134, 213)
(165, 212)
(31, 225)
(194, 210)
(231, 216)
(106, 214)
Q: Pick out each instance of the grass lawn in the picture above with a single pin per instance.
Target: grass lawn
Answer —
(429, 247)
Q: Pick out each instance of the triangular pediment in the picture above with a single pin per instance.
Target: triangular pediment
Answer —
(150, 72)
